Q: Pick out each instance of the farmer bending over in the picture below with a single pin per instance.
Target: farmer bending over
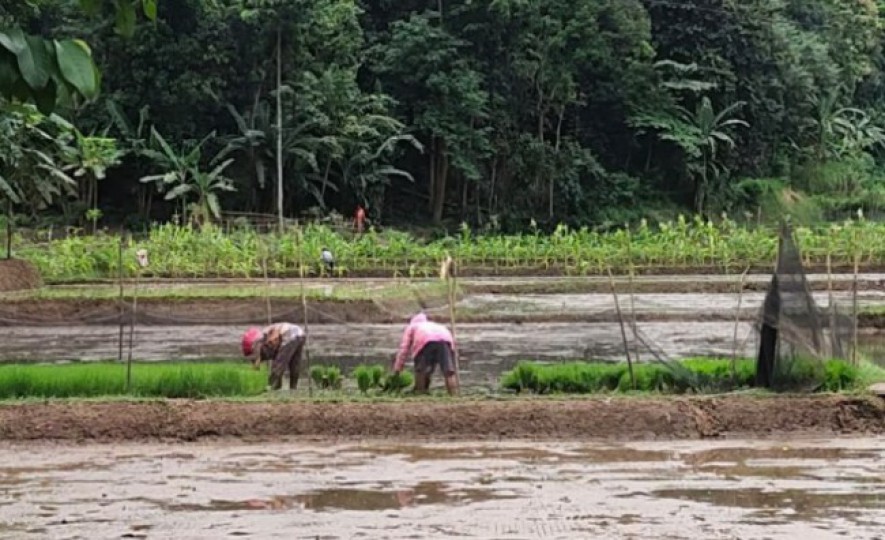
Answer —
(428, 344)
(281, 344)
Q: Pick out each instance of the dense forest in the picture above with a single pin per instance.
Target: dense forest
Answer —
(493, 113)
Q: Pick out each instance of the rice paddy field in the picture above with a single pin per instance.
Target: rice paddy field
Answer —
(554, 434)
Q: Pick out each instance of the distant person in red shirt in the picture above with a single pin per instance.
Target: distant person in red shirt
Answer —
(428, 344)
(359, 219)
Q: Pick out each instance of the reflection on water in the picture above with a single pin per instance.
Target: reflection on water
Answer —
(675, 489)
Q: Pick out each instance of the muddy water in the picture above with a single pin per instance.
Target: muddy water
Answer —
(485, 348)
(810, 489)
(689, 306)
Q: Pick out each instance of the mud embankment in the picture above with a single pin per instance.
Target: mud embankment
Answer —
(473, 308)
(584, 419)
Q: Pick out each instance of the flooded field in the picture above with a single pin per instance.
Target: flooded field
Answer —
(736, 489)
(486, 349)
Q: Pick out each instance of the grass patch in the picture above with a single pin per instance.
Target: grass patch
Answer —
(700, 374)
(148, 380)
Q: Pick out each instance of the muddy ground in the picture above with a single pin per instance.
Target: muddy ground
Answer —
(779, 489)
(16, 275)
(598, 419)
(470, 308)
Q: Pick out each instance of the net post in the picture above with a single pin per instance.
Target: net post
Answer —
(830, 298)
(737, 320)
(121, 308)
(264, 253)
(611, 282)
(450, 270)
(856, 252)
(304, 311)
(630, 271)
(132, 329)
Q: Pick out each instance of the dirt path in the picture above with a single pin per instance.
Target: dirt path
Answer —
(598, 418)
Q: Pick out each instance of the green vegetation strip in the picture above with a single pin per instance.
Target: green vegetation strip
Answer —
(185, 252)
(148, 380)
(229, 380)
(700, 374)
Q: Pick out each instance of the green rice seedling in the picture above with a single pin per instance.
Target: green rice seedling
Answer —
(148, 380)
(395, 383)
(333, 377)
(363, 377)
(840, 376)
(377, 372)
(326, 377)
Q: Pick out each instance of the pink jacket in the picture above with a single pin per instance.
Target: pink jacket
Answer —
(419, 333)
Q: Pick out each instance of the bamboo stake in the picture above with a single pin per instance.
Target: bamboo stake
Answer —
(854, 298)
(630, 291)
(266, 282)
(611, 281)
(132, 330)
(120, 302)
(450, 281)
(830, 298)
(304, 311)
(737, 321)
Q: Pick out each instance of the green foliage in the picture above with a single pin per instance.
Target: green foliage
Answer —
(211, 252)
(368, 377)
(183, 175)
(705, 374)
(395, 383)
(148, 380)
(376, 378)
(326, 377)
(585, 112)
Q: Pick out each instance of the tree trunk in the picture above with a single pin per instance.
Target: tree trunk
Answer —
(439, 192)
(432, 184)
(279, 129)
(9, 228)
(556, 149)
(325, 181)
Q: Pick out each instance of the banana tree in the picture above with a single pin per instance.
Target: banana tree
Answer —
(698, 134)
(47, 72)
(184, 178)
(369, 146)
(30, 147)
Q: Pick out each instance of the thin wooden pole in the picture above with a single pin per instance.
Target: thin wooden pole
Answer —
(304, 312)
(280, 130)
(830, 298)
(132, 330)
(854, 298)
(264, 250)
(611, 282)
(9, 218)
(122, 307)
(450, 281)
(737, 321)
(630, 291)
